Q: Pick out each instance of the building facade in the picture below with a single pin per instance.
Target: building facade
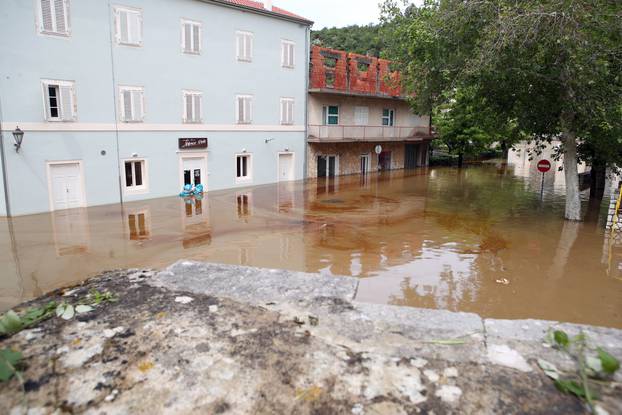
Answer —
(359, 120)
(131, 99)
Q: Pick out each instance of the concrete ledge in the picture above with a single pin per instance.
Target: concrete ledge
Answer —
(253, 285)
(209, 338)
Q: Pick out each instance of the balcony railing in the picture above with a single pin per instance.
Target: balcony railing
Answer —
(365, 133)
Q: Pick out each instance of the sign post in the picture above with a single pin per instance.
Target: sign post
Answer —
(543, 166)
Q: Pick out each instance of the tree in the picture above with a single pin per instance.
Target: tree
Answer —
(364, 40)
(551, 66)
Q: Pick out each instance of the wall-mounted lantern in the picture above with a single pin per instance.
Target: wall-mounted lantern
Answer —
(18, 136)
(267, 140)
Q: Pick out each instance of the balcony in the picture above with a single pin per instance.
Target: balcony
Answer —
(366, 133)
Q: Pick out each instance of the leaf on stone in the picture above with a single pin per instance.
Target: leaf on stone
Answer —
(10, 323)
(60, 309)
(549, 369)
(68, 313)
(8, 359)
(83, 308)
(594, 363)
(609, 363)
(561, 338)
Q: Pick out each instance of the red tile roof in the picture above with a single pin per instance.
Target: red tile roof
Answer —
(259, 5)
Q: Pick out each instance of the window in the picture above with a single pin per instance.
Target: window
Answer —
(54, 17)
(244, 46)
(287, 111)
(191, 37)
(139, 225)
(129, 26)
(331, 115)
(287, 54)
(361, 115)
(243, 109)
(244, 201)
(388, 117)
(135, 172)
(192, 106)
(243, 167)
(60, 100)
(132, 104)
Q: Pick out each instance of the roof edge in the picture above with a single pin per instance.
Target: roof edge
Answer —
(264, 12)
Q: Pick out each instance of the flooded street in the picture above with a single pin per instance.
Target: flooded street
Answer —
(476, 240)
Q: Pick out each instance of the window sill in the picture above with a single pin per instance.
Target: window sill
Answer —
(192, 122)
(244, 123)
(245, 60)
(59, 120)
(56, 34)
(243, 180)
(141, 190)
(185, 52)
(133, 45)
(132, 121)
(288, 67)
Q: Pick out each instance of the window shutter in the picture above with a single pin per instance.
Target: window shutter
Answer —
(283, 54)
(127, 105)
(188, 104)
(248, 116)
(46, 16)
(187, 37)
(283, 112)
(59, 9)
(66, 100)
(196, 38)
(249, 47)
(137, 106)
(290, 112)
(135, 27)
(240, 110)
(197, 108)
(123, 26)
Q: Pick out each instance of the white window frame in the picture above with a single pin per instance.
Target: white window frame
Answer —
(62, 111)
(117, 26)
(124, 117)
(248, 37)
(287, 109)
(390, 118)
(249, 168)
(248, 119)
(143, 188)
(196, 118)
(327, 115)
(196, 25)
(54, 32)
(288, 54)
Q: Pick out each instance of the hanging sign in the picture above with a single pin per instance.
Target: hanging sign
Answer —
(192, 143)
(378, 149)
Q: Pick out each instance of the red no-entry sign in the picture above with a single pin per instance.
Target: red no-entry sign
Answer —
(544, 166)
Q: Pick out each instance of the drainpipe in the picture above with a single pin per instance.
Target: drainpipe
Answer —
(306, 115)
(5, 175)
(114, 103)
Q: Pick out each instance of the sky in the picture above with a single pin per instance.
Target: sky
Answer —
(334, 13)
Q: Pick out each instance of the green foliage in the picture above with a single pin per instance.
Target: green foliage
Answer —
(593, 364)
(561, 338)
(548, 68)
(11, 322)
(9, 359)
(97, 297)
(364, 40)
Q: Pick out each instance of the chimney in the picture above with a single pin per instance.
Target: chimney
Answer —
(267, 4)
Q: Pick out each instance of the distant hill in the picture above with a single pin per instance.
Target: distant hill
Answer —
(365, 40)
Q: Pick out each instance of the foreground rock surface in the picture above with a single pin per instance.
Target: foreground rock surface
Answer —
(203, 338)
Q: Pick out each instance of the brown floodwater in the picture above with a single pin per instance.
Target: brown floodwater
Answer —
(478, 239)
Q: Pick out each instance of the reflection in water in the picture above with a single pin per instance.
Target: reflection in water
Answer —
(477, 239)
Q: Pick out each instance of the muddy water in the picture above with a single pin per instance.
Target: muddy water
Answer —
(475, 240)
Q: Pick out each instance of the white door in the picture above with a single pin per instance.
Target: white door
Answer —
(286, 167)
(194, 171)
(66, 186)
